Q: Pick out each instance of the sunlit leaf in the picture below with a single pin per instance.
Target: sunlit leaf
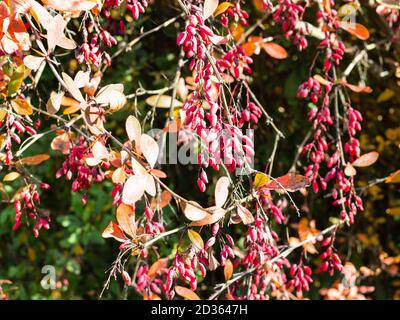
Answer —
(221, 191)
(192, 211)
(133, 129)
(209, 8)
(133, 189)
(150, 149)
(33, 62)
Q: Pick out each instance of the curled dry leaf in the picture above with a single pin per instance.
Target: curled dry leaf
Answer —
(186, 293)
(221, 191)
(209, 8)
(196, 239)
(100, 151)
(245, 214)
(366, 159)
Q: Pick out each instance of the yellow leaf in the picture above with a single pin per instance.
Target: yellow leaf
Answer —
(385, 96)
(3, 113)
(393, 211)
(22, 107)
(196, 239)
(11, 176)
(222, 8)
(260, 180)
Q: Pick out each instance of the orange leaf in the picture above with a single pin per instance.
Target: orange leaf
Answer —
(114, 231)
(222, 8)
(394, 177)
(275, 50)
(356, 29)
(126, 219)
(156, 266)
(228, 270)
(34, 160)
(186, 293)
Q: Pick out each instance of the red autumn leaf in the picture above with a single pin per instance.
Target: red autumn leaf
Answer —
(290, 182)
(366, 159)
(275, 50)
